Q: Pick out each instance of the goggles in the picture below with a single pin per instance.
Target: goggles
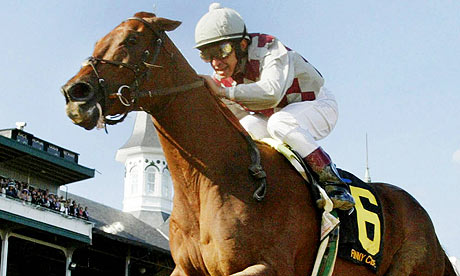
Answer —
(220, 51)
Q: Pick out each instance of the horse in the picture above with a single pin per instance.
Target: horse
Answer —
(216, 226)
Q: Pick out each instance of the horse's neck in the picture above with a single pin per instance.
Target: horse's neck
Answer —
(199, 139)
(194, 126)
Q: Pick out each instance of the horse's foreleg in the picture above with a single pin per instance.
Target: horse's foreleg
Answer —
(261, 269)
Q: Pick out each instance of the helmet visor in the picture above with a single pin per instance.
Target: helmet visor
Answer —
(220, 51)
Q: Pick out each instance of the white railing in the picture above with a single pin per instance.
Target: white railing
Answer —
(46, 216)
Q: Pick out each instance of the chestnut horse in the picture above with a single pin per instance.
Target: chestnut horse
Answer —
(217, 227)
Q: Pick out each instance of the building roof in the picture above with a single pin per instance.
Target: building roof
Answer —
(144, 133)
(49, 161)
(164, 228)
(118, 225)
(152, 218)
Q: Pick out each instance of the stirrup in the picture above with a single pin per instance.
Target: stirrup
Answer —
(340, 197)
(344, 204)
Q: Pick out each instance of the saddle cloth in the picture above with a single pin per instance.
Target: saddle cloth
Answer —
(361, 231)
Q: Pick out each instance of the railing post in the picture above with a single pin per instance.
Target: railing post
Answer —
(4, 256)
(68, 260)
(128, 262)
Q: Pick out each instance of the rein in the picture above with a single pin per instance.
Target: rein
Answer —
(255, 169)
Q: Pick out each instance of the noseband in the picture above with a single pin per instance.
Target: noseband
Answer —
(139, 70)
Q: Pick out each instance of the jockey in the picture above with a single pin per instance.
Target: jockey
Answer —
(273, 91)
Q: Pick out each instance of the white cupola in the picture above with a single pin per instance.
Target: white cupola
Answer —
(148, 189)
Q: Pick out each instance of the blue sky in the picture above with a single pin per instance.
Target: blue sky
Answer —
(393, 66)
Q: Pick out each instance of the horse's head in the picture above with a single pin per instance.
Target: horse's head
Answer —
(121, 66)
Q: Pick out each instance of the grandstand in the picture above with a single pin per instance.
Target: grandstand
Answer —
(47, 232)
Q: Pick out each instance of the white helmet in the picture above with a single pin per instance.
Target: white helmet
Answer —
(219, 24)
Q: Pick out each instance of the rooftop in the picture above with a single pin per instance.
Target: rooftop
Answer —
(23, 151)
(118, 225)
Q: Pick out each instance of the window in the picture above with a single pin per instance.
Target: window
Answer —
(134, 179)
(22, 138)
(151, 178)
(70, 156)
(37, 144)
(53, 150)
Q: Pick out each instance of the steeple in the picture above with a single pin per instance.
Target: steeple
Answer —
(147, 185)
(367, 175)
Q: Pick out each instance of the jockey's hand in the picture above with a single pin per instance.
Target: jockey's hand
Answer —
(212, 85)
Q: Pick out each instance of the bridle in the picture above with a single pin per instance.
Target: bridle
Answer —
(140, 70)
(255, 168)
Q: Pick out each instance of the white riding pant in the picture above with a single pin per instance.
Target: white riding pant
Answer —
(299, 124)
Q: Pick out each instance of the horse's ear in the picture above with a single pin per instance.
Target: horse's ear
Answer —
(166, 24)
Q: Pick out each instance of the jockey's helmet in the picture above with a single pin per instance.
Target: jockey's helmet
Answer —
(219, 24)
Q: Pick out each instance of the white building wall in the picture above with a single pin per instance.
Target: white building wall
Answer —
(140, 192)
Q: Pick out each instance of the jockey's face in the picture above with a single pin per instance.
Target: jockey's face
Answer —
(225, 67)
(222, 57)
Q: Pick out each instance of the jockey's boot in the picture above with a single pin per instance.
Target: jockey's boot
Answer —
(329, 178)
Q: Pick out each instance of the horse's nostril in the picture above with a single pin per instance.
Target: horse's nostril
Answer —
(80, 91)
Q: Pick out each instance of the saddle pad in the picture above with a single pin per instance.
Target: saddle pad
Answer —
(362, 231)
(328, 221)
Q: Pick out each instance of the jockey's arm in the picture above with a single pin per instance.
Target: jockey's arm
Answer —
(269, 90)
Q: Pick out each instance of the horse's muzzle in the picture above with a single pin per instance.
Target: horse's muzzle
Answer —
(78, 92)
(81, 104)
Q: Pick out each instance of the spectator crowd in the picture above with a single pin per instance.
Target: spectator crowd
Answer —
(28, 194)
